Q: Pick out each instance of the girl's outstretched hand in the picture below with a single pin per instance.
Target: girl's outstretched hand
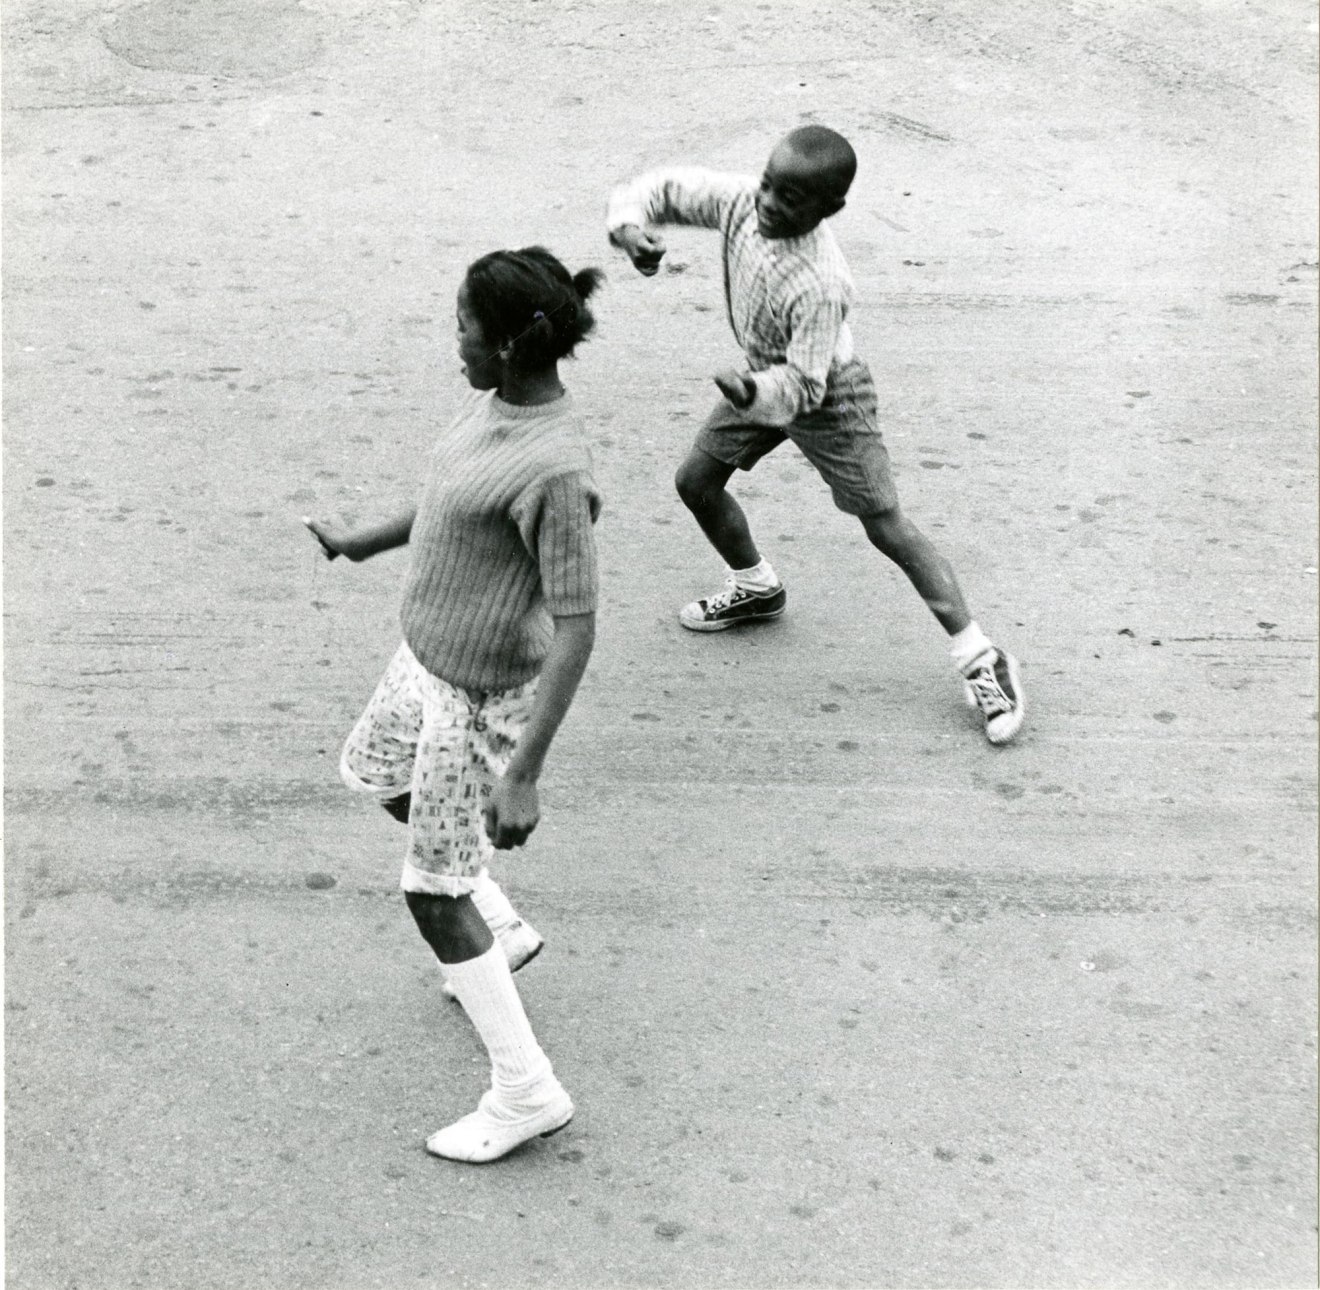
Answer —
(333, 543)
(513, 811)
(362, 541)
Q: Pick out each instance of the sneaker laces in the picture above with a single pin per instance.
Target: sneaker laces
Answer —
(989, 694)
(723, 599)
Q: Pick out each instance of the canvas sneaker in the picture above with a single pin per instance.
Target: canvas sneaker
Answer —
(732, 607)
(993, 685)
(494, 1129)
(521, 943)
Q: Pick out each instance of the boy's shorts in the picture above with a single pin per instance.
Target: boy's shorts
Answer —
(448, 748)
(840, 438)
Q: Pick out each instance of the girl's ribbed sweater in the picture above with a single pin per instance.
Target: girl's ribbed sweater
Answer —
(502, 541)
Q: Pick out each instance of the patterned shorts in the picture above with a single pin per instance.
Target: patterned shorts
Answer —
(840, 438)
(448, 748)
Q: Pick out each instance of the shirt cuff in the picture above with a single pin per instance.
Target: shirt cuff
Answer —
(624, 210)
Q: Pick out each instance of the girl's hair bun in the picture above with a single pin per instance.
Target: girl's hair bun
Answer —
(529, 301)
(586, 281)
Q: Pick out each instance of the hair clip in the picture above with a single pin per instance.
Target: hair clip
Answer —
(537, 316)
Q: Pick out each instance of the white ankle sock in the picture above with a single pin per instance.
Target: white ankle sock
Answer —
(760, 577)
(967, 646)
(486, 990)
(492, 904)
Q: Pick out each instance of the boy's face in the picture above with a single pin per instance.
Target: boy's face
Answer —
(481, 362)
(796, 193)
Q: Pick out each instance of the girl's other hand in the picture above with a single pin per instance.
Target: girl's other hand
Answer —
(512, 813)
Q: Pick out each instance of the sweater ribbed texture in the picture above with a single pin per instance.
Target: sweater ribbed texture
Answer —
(502, 542)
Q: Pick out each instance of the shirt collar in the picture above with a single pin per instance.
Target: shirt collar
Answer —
(778, 246)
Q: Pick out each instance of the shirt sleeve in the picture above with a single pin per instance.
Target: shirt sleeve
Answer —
(555, 517)
(786, 390)
(680, 195)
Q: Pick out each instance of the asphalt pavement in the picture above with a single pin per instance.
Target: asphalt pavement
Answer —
(845, 996)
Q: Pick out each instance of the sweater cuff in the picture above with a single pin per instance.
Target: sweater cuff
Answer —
(775, 402)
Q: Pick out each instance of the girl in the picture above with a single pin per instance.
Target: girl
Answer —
(499, 617)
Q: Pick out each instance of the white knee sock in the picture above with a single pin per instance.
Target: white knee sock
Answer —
(486, 990)
(760, 577)
(492, 904)
(968, 645)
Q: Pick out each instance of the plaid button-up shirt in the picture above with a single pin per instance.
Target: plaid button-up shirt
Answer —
(787, 298)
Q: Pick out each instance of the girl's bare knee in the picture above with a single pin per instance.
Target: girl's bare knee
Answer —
(434, 915)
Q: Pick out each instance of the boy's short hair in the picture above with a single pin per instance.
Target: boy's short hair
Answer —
(831, 150)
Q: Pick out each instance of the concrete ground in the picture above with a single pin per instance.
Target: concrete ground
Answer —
(845, 996)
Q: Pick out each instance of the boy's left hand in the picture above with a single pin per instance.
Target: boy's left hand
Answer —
(512, 813)
(737, 387)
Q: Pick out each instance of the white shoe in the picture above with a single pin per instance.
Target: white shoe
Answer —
(521, 943)
(493, 1130)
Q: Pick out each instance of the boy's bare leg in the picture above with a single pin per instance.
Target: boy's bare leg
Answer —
(991, 675)
(752, 592)
(894, 535)
(701, 481)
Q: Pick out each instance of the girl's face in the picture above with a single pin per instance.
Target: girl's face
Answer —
(482, 362)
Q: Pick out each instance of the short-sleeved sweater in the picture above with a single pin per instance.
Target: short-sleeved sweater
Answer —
(502, 541)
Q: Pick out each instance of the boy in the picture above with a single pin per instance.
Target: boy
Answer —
(787, 290)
